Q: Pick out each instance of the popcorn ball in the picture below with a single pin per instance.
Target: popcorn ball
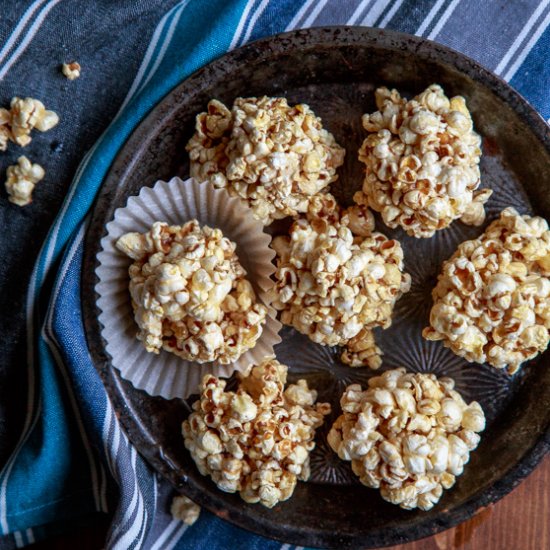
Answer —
(24, 115)
(408, 435)
(335, 287)
(421, 159)
(266, 152)
(189, 293)
(492, 299)
(21, 180)
(256, 440)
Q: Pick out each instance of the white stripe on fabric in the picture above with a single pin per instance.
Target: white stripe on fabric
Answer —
(254, 19)
(136, 507)
(387, 18)
(165, 44)
(18, 539)
(53, 345)
(285, 547)
(147, 57)
(374, 12)
(528, 47)
(358, 12)
(315, 12)
(299, 548)
(166, 534)
(443, 19)
(171, 543)
(521, 37)
(240, 26)
(28, 37)
(19, 28)
(295, 21)
(30, 536)
(103, 490)
(429, 18)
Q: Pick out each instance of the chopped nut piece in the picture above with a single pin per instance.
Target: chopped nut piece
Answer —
(421, 160)
(266, 152)
(256, 440)
(190, 294)
(185, 509)
(71, 70)
(336, 288)
(408, 435)
(492, 299)
(21, 179)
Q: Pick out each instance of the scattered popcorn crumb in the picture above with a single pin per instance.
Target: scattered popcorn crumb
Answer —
(257, 440)
(71, 70)
(185, 509)
(335, 287)
(273, 155)
(21, 179)
(190, 294)
(421, 159)
(24, 115)
(492, 299)
(408, 435)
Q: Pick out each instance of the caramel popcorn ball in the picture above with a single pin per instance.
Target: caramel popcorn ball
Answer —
(184, 509)
(492, 299)
(266, 152)
(17, 123)
(256, 440)
(408, 435)
(335, 287)
(21, 179)
(421, 160)
(71, 70)
(189, 293)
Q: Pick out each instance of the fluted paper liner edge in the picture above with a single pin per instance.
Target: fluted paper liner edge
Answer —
(176, 202)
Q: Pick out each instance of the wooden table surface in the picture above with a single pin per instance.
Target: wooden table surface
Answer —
(520, 521)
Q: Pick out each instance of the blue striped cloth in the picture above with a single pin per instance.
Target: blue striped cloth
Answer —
(72, 459)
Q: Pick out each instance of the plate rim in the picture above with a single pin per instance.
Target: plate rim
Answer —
(313, 37)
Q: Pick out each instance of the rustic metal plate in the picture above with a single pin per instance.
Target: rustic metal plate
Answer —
(335, 70)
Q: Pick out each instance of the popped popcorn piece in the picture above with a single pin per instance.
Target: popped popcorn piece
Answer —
(408, 435)
(21, 179)
(256, 440)
(266, 152)
(189, 293)
(336, 288)
(185, 509)
(421, 160)
(492, 298)
(27, 114)
(71, 70)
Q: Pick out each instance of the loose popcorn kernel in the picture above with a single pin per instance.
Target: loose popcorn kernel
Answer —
(21, 179)
(189, 293)
(256, 440)
(421, 160)
(27, 114)
(185, 509)
(335, 287)
(491, 302)
(408, 435)
(71, 70)
(266, 152)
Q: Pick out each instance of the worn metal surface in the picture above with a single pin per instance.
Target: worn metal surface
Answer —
(335, 70)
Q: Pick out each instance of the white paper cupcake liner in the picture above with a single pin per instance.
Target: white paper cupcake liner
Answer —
(176, 202)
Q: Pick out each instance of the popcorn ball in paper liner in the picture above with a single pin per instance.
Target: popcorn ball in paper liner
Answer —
(492, 299)
(190, 294)
(192, 279)
(336, 287)
(256, 440)
(268, 153)
(421, 159)
(408, 435)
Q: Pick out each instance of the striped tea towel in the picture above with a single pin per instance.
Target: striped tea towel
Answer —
(63, 455)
